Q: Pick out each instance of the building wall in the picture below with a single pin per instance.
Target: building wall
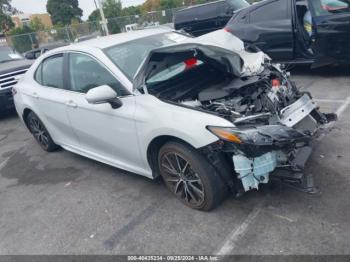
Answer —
(21, 19)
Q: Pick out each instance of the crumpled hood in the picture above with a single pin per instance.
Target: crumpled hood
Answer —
(252, 62)
(221, 48)
(161, 58)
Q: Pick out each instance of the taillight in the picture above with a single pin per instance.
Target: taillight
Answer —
(227, 29)
(14, 91)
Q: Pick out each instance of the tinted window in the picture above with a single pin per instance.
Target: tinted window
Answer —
(272, 11)
(330, 7)
(224, 9)
(206, 11)
(52, 72)
(184, 16)
(86, 73)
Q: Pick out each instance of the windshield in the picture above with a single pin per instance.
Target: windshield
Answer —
(6, 54)
(128, 56)
(174, 70)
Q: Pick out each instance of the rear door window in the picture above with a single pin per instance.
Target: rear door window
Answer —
(206, 11)
(330, 7)
(276, 10)
(50, 72)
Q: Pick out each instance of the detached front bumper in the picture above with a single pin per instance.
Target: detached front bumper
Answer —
(285, 147)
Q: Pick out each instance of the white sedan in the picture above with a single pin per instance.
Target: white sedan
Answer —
(204, 113)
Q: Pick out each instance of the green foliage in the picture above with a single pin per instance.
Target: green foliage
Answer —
(132, 10)
(63, 11)
(169, 4)
(22, 40)
(5, 22)
(112, 8)
(6, 8)
(36, 24)
(95, 16)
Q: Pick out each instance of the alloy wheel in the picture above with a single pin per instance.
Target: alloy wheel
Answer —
(39, 132)
(181, 179)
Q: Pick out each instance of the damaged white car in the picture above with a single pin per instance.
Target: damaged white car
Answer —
(203, 113)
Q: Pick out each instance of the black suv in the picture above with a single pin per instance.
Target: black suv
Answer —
(201, 19)
(12, 67)
(280, 29)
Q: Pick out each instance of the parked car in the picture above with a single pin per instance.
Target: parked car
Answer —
(280, 29)
(12, 67)
(203, 113)
(35, 53)
(204, 18)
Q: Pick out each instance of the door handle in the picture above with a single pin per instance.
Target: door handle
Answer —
(35, 95)
(71, 103)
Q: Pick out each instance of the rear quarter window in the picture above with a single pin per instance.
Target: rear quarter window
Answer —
(271, 11)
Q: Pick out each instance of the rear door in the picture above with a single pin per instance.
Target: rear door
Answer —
(331, 39)
(270, 28)
(50, 96)
(206, 19)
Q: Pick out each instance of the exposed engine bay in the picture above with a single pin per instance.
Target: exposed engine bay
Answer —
(274, 122)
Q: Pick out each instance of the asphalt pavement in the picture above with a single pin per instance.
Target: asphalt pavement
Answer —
(62, 203)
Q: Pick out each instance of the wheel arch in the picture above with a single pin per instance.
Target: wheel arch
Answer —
(25, 114)
(154, 147)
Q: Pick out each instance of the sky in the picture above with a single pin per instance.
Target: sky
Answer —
(39, 6)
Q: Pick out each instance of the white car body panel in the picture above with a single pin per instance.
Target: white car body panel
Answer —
(118, 137)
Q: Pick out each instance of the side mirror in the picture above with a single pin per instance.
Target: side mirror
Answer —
(103, 94)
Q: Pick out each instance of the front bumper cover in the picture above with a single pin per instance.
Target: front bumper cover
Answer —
(280, 150)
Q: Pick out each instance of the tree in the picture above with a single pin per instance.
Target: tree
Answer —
(95, 16)
(36, 24)
(132, 10)
(5, 11)
(63, 11)
(169, 4)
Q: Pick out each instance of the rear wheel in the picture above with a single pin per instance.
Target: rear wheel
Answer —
(190, 177)
(40, 133)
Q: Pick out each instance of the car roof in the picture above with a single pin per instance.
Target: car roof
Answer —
(111, 40)
(199, 5)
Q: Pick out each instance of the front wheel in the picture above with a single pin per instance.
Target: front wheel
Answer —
(40, 132)
(190, 177)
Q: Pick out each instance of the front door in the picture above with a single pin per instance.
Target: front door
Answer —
(331, 40)
(104, 133)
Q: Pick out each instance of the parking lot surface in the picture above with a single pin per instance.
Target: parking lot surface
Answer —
(62, 203)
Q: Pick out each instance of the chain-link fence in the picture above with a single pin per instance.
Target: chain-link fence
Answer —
(54, 36)
(88, 30)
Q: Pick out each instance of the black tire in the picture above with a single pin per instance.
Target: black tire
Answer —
(40, 133)
(186, 181)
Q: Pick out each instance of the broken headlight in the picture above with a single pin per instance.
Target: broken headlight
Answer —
(259, 135)
(241, 136)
